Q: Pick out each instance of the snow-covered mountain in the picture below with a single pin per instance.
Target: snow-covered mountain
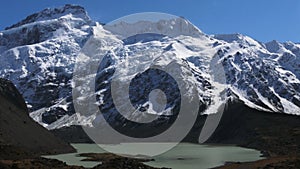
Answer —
(39, 53)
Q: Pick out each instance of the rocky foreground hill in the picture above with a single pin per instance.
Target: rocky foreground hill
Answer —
(19, 133)
(23, 141)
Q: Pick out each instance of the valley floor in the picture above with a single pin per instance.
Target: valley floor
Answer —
(109, 161)
(279, 162)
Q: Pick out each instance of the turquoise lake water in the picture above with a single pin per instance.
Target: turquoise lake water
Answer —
(183, 156)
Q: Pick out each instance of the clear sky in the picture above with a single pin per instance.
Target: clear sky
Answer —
(263, 20)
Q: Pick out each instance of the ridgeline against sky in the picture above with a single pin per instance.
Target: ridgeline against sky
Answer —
(262, 20)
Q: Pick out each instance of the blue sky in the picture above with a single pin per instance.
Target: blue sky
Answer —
(264, 20)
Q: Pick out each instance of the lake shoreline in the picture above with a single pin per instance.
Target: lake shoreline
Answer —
(278, 161)
(184, 155)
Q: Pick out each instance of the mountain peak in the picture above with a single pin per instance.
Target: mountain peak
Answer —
(273, 46)
(238, 38)
(229, 37)
(52, 13)
(172, 27)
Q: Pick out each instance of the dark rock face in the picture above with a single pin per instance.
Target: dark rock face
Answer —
(140, 87)
(20, 136)
(72, 134)
(10, 92)
(53, 114)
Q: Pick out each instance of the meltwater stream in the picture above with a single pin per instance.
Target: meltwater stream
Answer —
(184, 155)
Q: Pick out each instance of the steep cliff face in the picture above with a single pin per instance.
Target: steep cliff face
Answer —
(19, 134)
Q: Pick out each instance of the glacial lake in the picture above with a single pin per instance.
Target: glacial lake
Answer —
(184, 155)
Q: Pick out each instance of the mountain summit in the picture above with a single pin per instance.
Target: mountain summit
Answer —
(49, 13)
